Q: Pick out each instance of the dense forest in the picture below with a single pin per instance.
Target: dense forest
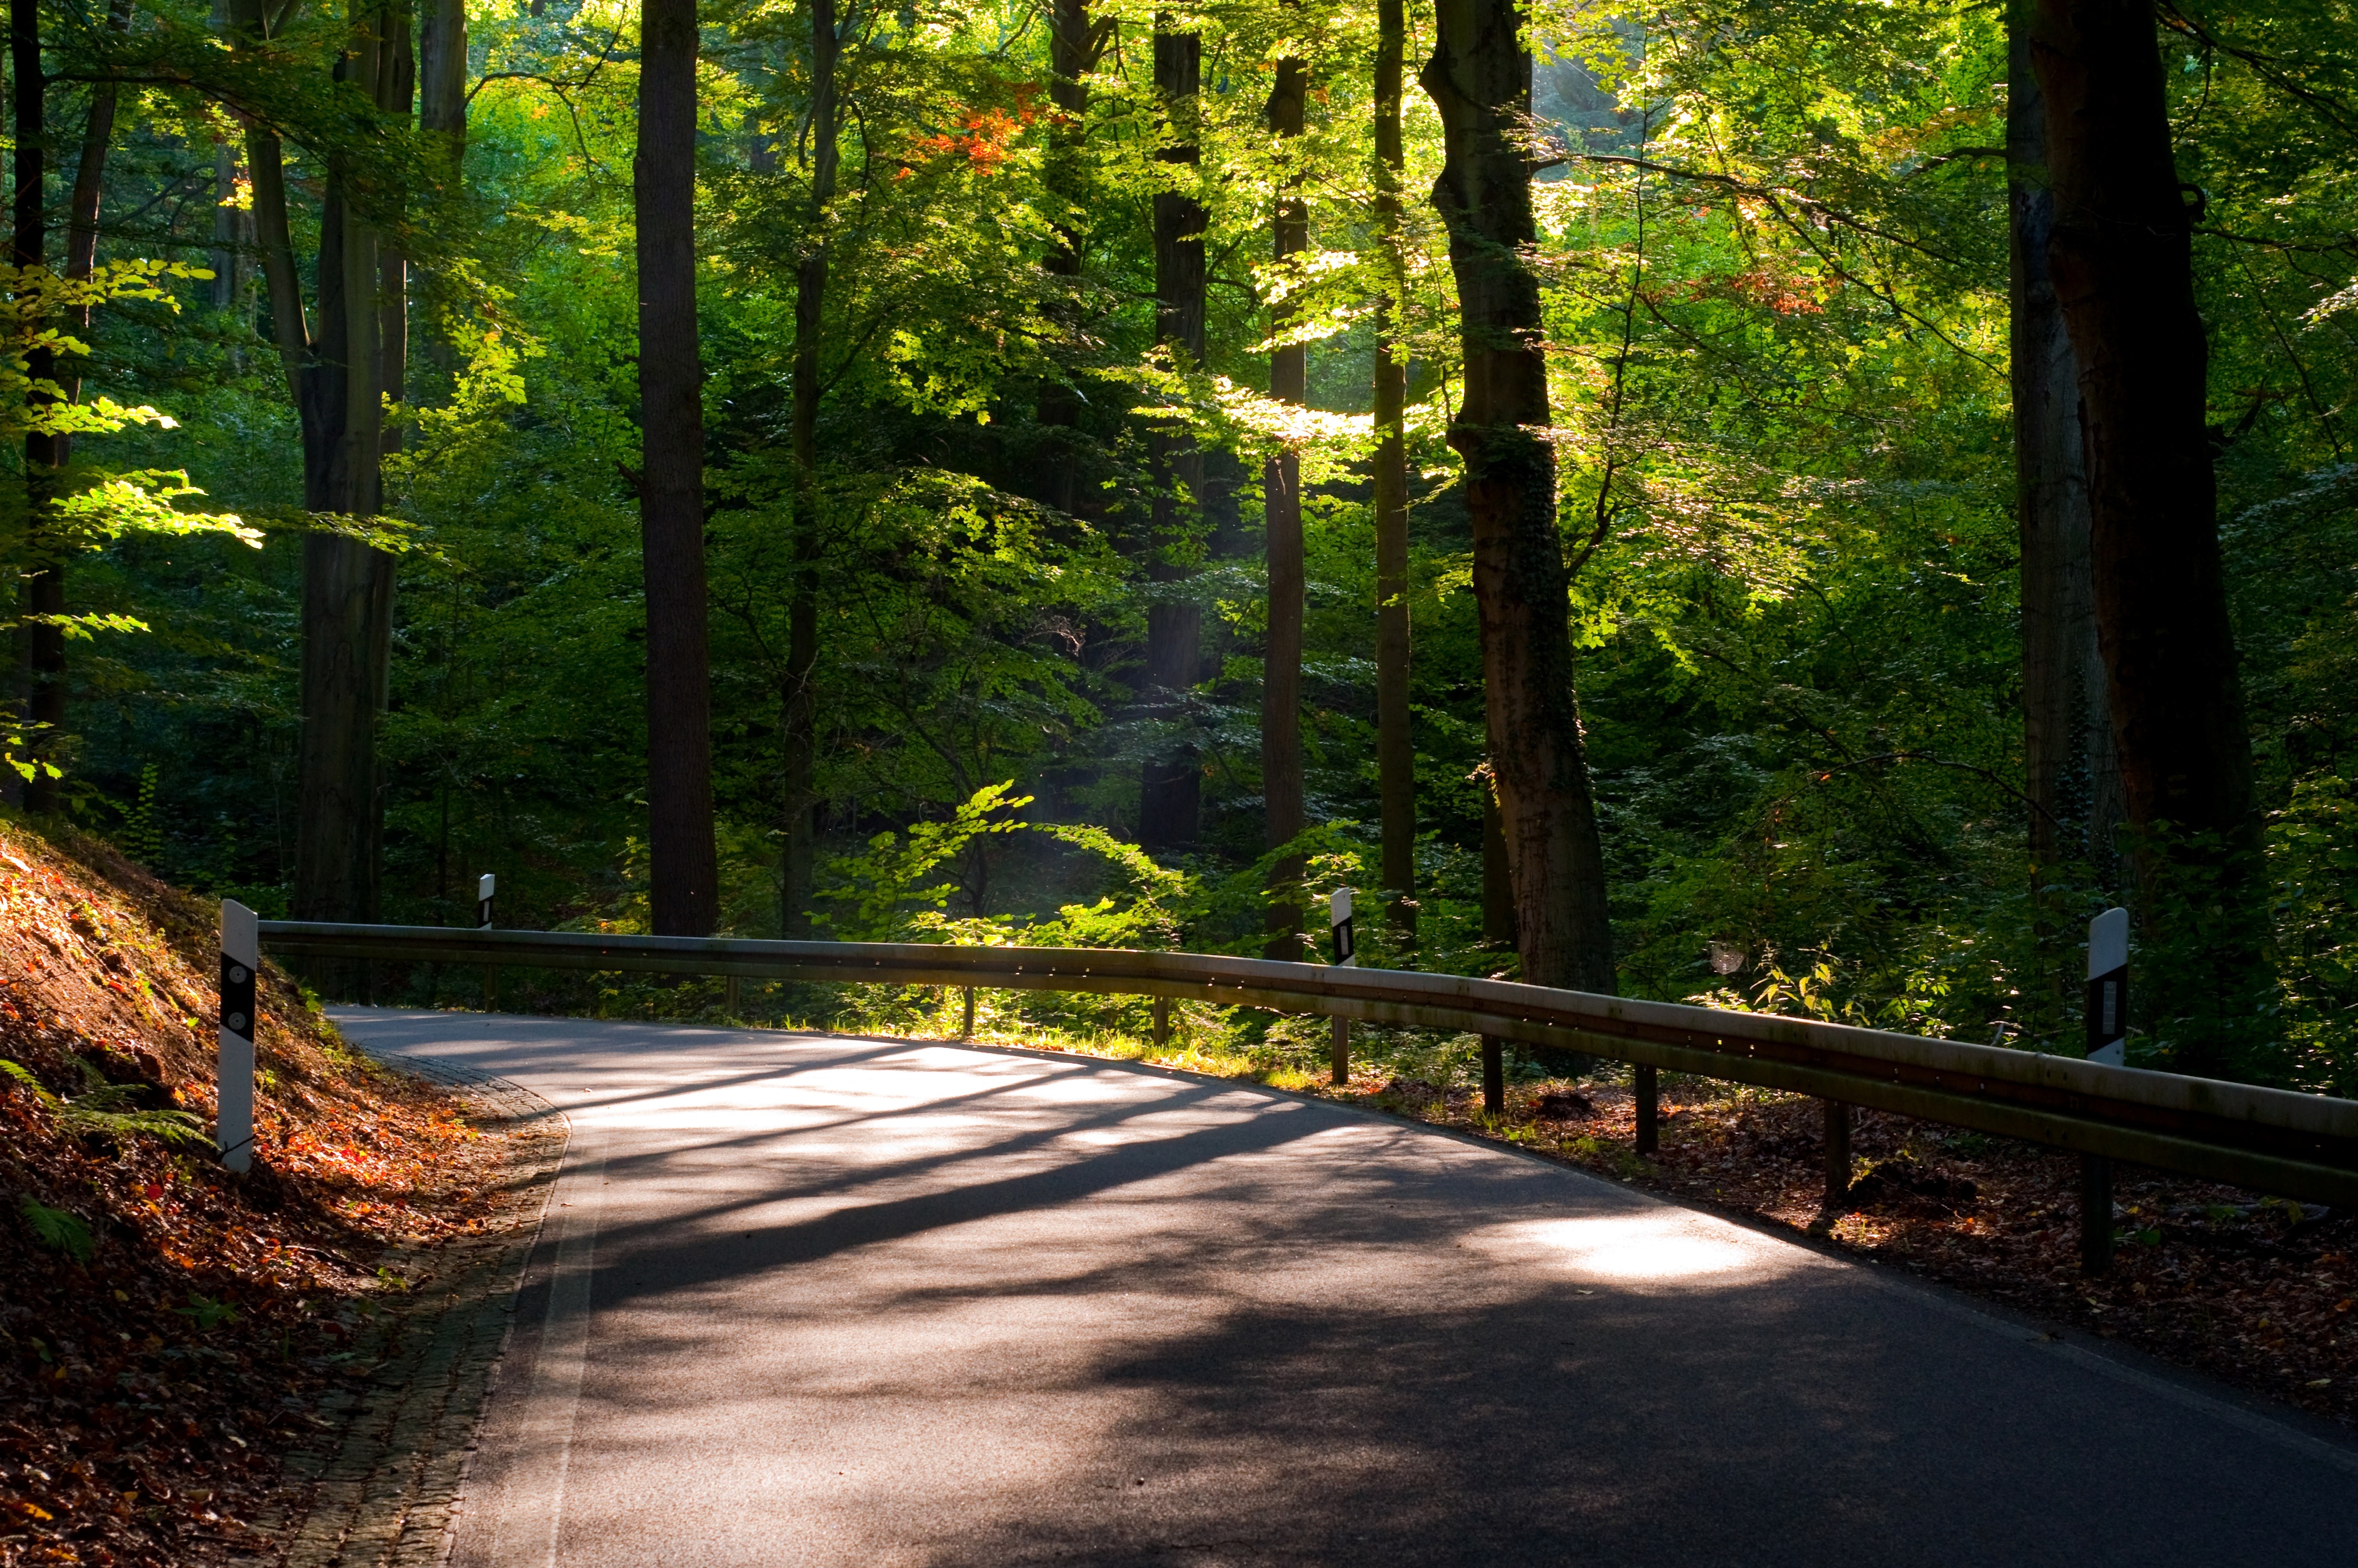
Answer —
(1793, 502)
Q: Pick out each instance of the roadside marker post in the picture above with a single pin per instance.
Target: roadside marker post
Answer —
(2108, 1027)
(1346, 956)
(2108, 987)
(241, 950)
(486, 889)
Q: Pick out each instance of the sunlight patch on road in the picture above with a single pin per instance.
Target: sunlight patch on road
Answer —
(1656, 1245)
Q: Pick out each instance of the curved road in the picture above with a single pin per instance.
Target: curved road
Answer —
(804, 1299)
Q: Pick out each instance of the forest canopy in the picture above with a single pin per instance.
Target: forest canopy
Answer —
(1622, 487)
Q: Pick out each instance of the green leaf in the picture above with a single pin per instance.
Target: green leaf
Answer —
(58, 1229)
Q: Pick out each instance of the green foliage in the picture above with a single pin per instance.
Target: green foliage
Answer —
(1773, 255)
(206, 1313)
(58, 1229)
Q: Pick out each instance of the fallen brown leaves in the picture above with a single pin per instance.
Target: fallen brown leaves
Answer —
(2257, 1291)
(148, 1393)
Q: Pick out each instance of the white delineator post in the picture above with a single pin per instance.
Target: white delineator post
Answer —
(2108, 1027)
(2108, 987)
(241, 950)
(1338, 929)
(486, 886)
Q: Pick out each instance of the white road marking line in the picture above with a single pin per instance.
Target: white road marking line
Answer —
(534, 1509)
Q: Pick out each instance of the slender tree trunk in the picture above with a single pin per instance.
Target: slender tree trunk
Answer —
(2121, 255)
(684, 892)
(442, 80)
(802, 611)
(45, 579)
(1395, 747)
(396, 95)
(2072, 778)
(231, 227)
(1281, 698)
(81, 206)
(442, 114)
(1073, 45)
(1171, 805)
(1480, 79)
(347, 585)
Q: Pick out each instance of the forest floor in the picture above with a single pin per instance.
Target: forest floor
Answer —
(171, 1334)
(2257, 1291)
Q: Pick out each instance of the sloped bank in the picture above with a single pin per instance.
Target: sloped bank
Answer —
(170, 1334)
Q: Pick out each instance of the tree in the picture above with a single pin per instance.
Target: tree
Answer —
(1480, 79)
(1395, 744)
(1170, 807)
(801, 637)
(45, 582)
(338, 377)
(2121, 255)
(684, 897)
(2072, 778)
(1281, 703)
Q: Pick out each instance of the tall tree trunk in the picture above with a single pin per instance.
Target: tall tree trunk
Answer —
(1170, 807)
(231, 227)
(1281, 691)
(45, 579)
(1480, 79)
(684, 881)
(2072, 778)
(1395, 747)
(396, 95)
(442, 80)
(2121, 254)
(347, 585)
(802, 611)
(82, 205)
(1074, 42)
(442, 114)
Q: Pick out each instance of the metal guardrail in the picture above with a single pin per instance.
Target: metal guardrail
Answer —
(2272, 1141)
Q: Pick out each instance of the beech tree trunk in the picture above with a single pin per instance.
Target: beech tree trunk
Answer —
(2070, 772)
(1074, 42)
(1395, 746)
(1169, 814)
(2121, 256)
(684, 881)
(442, 78)
(1280, 692)
(45, 579)
(1480, 79)
(442, 114)
(338, 380)
(802, 611)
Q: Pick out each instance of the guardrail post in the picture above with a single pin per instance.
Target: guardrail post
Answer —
(1837, 1152)
(735, 997)
(1493, 1076)
(1650, 1122)
(1339, 1050)
(240, 952)
(2095, 1215)
(1162, 1022)
(966, 1029)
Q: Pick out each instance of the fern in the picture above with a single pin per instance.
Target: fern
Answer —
(58, 1228)
(108, 1108)
(16, 1070)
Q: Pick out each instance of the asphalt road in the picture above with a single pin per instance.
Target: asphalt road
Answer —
(827, 1301)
